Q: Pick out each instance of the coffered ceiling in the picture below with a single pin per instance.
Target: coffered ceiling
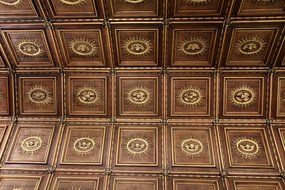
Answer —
(142, 94)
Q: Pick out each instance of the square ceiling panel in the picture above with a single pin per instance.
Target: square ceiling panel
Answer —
(193, 46)
(88, 94)
(17, 9)
(247, 149)
(251, 46)
(259, 7)
(73, 8)
(278, 96)
(186, 8)
(190, 95)
(254, 184)
(83, 47)
(192, 148)
(133, 182)
(278, 131)
(135, 8)
(243, 96)
(30, 48)
(21, 182)
(39, 95)
(138, 46)
(177, 183)
(139, 95)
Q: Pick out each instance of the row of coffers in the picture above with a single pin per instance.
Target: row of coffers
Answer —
(143, 45)
(136, 8)
(202, 148)
(141, 95)
(98, 182)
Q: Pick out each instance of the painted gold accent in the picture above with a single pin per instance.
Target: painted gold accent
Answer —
(137, 146)
(198, 2)
(32, 144)
(83, 47)
(72, 2)
(138, 95)
(242, 96)
(30, 48)
(137, 46)
(10, 3)
(193, 46)
(88, 96)
(84, 146)
(248, 148)
(190, 96)
(191, 147)
(134, 1)
(39, 95)
(250, 46)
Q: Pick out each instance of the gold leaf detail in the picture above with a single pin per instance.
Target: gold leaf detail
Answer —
(32, 144)
(139, 96)
(88, 96)
(39, 95)
(137, 146)
(72, 2)
(242, 96)
(190, 96)
(137, 46)
(248, 148)
(250, 46)
(30, 48)
(83, 47)
(194, 46)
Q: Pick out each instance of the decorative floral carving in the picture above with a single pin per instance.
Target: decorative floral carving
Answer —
(193, 46)
(88, 96)
(190, 96)
(248, 148)
(84, 146)
(191, 147)
(83, 47)
(137, 146)
(32, 144)
(11, 3)
(138, 96)
(250, 46)
(39, 95)
(72, 2)
(137, 46)
(30, 48)
(242, 96)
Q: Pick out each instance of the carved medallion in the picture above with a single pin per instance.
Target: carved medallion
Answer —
(137, 46)
(84, 146)
(83, 47)
(11, 3)
(72, 2)
(194, 46)
(198, 2)
(248, 148)
(39, 95)
(88, 96)
(191, 147)
(134, 1)
(30, 48)
(139, 96)
(242, 96)
(137, 146)
(190, 96)
(31, 145)
(250, 46)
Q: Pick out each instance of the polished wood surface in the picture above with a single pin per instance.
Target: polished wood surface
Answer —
(142, 94)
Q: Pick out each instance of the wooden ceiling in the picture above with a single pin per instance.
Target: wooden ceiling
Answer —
(142, 94)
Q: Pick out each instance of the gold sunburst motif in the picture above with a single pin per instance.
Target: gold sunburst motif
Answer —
(137, 46)
(242, 96)
(198, 2)
(31, 48)
(84, 146)
(191, 147)
(72, 2)
(39, 95)
(83, 47)
(250, 46)
(134, 1)
(32, 144)
(190, 96)
(138, 96)
(11, 3)
(137, 146)
(247, 148)
(193, 46)
(88, 96)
